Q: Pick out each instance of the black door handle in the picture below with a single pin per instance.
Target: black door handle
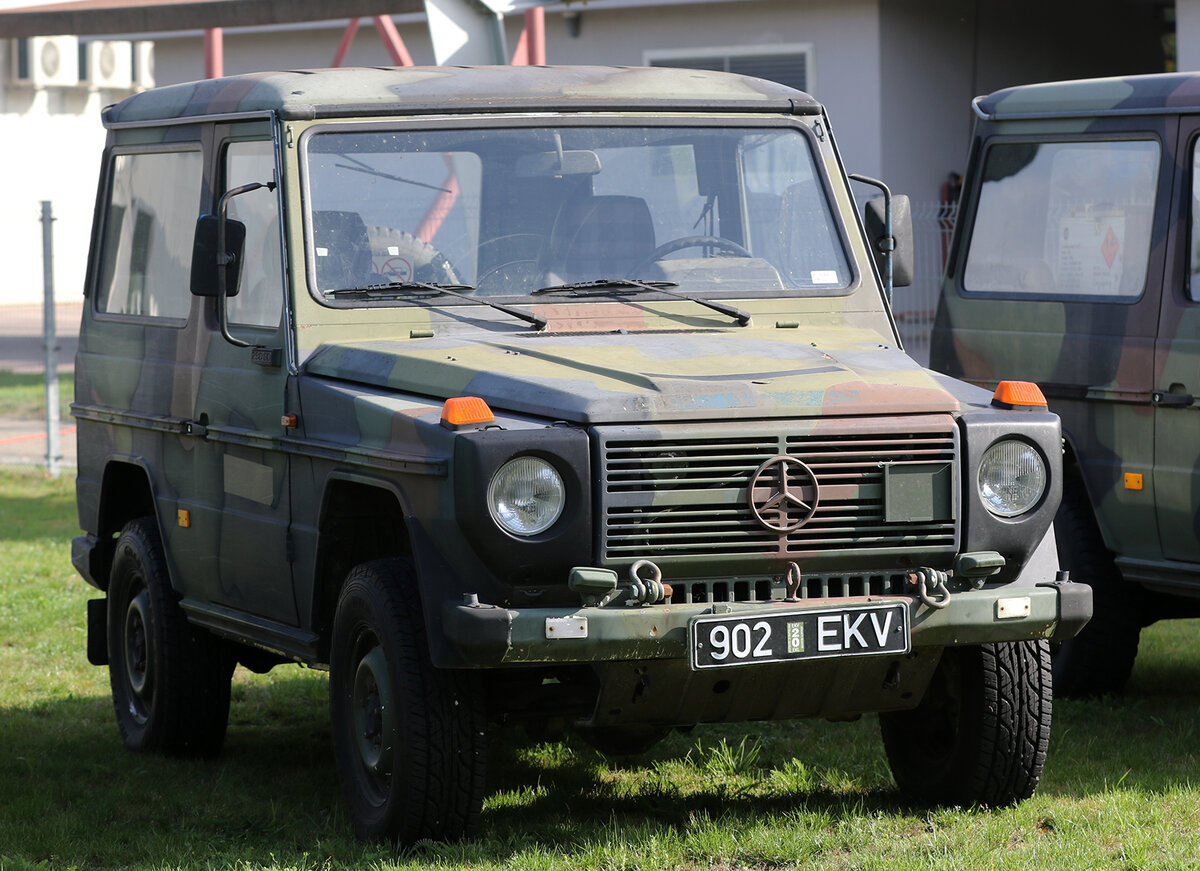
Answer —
(1171, 400)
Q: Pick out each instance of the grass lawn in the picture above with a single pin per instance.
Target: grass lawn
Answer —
(1117, 790)
(24, 394)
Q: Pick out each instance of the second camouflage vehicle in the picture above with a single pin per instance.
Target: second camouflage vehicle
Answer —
(1075, 265)
(568, 397)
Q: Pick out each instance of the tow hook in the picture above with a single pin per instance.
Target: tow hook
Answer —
(930, 583)
(647, 590)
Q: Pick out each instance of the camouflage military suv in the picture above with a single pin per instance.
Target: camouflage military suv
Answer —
(566, 397)
(1075, 265)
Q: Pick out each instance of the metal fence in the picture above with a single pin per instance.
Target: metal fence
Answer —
(31, 345)
(915, 306)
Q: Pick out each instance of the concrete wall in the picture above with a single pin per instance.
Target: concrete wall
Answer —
(936, 55)
(50, 150)
(844, 34)
(896, 75)
(1187, 34)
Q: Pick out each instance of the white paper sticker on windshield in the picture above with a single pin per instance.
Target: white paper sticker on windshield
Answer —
(824, 276)
(322, 252)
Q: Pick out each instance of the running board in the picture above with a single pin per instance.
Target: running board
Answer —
(290, 642)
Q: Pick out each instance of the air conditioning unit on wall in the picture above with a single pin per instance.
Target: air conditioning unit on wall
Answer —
(107, 64)
(143, 64)
(45, 61)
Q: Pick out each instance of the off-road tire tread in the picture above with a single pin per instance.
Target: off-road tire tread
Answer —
(999, 745)
(1016, 717)
(444, 724)
(1100, 658)
(190, 712)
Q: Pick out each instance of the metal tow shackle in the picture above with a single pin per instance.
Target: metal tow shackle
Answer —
(930, 583)
(648, 590)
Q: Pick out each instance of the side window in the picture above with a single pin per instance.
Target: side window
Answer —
(259, 301)
(147, 248)
(1066, 219)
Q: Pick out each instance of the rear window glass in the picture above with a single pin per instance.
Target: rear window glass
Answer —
(148, 230)
(1066, 219)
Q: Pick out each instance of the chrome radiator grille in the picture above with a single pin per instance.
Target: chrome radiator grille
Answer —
(682, 492)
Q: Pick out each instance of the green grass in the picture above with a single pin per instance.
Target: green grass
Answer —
(1117, 791)
(24, 394)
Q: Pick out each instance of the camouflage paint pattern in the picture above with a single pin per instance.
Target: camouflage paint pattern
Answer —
(272, 475)
(1101, 362)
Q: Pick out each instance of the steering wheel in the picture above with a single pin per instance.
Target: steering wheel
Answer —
(427, 262)
(519, 272)
(690, 242)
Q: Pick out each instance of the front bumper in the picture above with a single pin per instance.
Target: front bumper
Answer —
(489, 636)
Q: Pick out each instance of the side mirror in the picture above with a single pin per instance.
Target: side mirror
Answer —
(206, 256)
(902, 234)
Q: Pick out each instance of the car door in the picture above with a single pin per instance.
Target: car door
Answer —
(1177, 365)
(233, 539)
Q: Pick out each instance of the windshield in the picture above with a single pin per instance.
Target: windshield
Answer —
(508, 211)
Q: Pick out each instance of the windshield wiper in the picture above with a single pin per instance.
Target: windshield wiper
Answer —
(401, 289)
(363, 166)
(633, 285)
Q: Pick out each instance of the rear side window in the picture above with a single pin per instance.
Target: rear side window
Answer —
(148, 229)
(1194, 230)
(1064, 219)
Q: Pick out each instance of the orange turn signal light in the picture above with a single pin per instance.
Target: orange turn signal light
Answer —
(464, 410)
(1018, 394)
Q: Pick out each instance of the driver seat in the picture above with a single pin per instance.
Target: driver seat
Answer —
(599, 237)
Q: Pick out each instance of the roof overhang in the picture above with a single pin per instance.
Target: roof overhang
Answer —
(97, 17)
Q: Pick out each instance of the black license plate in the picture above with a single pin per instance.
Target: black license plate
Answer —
(723, 641)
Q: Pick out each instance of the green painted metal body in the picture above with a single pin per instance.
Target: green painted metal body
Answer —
(1120, 361)
(273, 469)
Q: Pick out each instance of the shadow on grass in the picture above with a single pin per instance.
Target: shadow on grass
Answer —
(73, 796)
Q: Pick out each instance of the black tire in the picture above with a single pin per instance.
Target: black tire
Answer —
(618, 741)
(1100, 658)
(412, 768)
(980, 734)
(170, 680)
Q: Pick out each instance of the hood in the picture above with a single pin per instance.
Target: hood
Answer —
(642, 377)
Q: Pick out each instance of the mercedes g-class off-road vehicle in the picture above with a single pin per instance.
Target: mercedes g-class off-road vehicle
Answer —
(1075, 264)
(559, 396)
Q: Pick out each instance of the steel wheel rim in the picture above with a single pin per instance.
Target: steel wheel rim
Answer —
(373, 715)
(137, 655)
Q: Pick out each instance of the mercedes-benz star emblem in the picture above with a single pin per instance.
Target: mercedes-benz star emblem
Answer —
(783, 494)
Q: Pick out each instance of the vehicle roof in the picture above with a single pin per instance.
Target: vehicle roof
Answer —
(349, 91)
(1162, 93)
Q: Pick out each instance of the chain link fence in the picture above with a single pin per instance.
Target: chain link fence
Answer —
(916, 305)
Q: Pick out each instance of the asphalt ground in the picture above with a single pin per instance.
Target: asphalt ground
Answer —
(23, 350)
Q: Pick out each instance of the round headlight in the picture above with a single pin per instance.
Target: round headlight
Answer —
(1012, 478)
(526, 496)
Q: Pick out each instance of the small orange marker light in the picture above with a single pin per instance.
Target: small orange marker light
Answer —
(1133, 481)
(1018, 394)
(185, 517)
(465, 410)
(288, 420)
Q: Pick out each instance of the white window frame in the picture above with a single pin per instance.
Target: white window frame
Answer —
(733, 51)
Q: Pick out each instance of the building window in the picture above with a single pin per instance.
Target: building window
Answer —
(789, 65)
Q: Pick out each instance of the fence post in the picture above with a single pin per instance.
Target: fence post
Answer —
(50, 337)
